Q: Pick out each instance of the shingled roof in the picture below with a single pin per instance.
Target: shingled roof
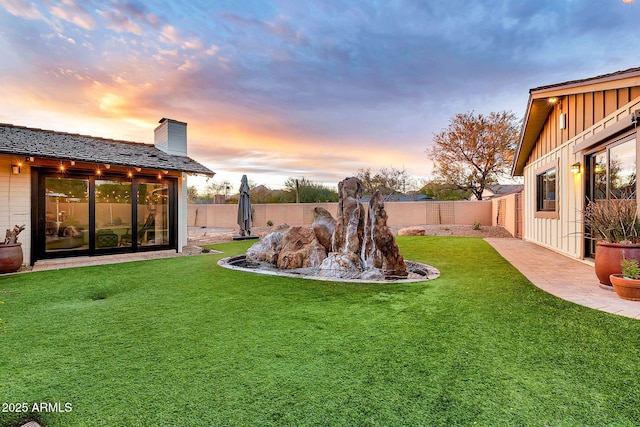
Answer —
(23, 141)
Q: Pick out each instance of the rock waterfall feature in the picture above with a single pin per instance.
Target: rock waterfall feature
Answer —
(355, 245)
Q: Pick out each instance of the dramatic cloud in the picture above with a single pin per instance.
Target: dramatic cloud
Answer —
(279, 88)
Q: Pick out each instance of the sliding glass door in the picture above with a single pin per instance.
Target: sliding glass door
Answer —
(113, 209)
(91, 215)
(612, 175)
(66, 214)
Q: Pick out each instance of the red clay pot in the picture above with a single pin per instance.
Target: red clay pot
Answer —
(626, 288)
(608, 257)
(10, 258)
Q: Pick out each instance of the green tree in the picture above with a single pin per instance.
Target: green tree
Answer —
(192, 194)
(305, 191)
(388, 180)
(440, 191)
(475, 150)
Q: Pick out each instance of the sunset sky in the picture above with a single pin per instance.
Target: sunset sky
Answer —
(315, 88)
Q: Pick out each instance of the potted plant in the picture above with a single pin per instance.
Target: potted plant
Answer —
(11, 251)
(615, 225)
(627, 284)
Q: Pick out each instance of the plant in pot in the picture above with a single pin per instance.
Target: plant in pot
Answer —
(615, 226)
(11, 251)
(627, 284)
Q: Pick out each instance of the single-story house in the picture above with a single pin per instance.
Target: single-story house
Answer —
(579, 142)
(83, 196)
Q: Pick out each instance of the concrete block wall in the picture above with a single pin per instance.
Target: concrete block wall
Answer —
(510, 212)
(400, 213)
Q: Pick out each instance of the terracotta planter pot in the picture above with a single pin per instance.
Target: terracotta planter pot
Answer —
(10, 258)
(626, 288)
(608, 257)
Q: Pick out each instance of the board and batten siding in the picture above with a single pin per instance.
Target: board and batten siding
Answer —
(564, 234)
(582, 111)
(15, 202)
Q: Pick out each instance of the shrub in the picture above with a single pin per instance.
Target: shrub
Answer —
(613, 221)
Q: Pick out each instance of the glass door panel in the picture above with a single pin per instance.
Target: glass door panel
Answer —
(622, 170)
(612, 175)
(599, 176)
(153, 214)
(113, 214)
(67, 214)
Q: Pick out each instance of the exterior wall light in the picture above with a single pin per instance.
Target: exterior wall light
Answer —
(15, 169)
(575, 168)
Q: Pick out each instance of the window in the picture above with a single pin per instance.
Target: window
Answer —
(546, 190)
(80, 214)
(67, 214)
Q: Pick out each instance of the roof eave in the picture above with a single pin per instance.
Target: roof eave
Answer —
(535, 117)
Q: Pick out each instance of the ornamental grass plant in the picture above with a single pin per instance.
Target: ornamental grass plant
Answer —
(614, 220)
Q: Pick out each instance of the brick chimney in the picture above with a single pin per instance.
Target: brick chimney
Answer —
(171, 137)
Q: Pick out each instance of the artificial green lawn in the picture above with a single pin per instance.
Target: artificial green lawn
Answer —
(187, 343)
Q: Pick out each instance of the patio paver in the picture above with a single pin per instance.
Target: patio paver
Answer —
(564, 277)
(56, 264)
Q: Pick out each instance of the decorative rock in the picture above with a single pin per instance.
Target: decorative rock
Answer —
(349, 231)
(323, 226)
(380, 249)
(412, 231)
(347, 265)
(355, 251)
(273, 229)
(300, 249)
(373, 274)
(267, 249)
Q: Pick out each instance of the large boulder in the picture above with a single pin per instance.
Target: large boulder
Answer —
(349, 230)
(273, 229)
(300, 249)
(412, 231)
(267, 249)
(380, 249)
(323, 226)
(341, 265)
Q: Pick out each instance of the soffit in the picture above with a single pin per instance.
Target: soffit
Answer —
(539, 108)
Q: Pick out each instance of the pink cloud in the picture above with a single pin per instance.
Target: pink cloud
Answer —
(21, 8)
(74, 13)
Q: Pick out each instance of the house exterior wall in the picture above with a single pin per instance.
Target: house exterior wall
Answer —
(15, 202)
(182, 212)
(582, 111)
(565, 234)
